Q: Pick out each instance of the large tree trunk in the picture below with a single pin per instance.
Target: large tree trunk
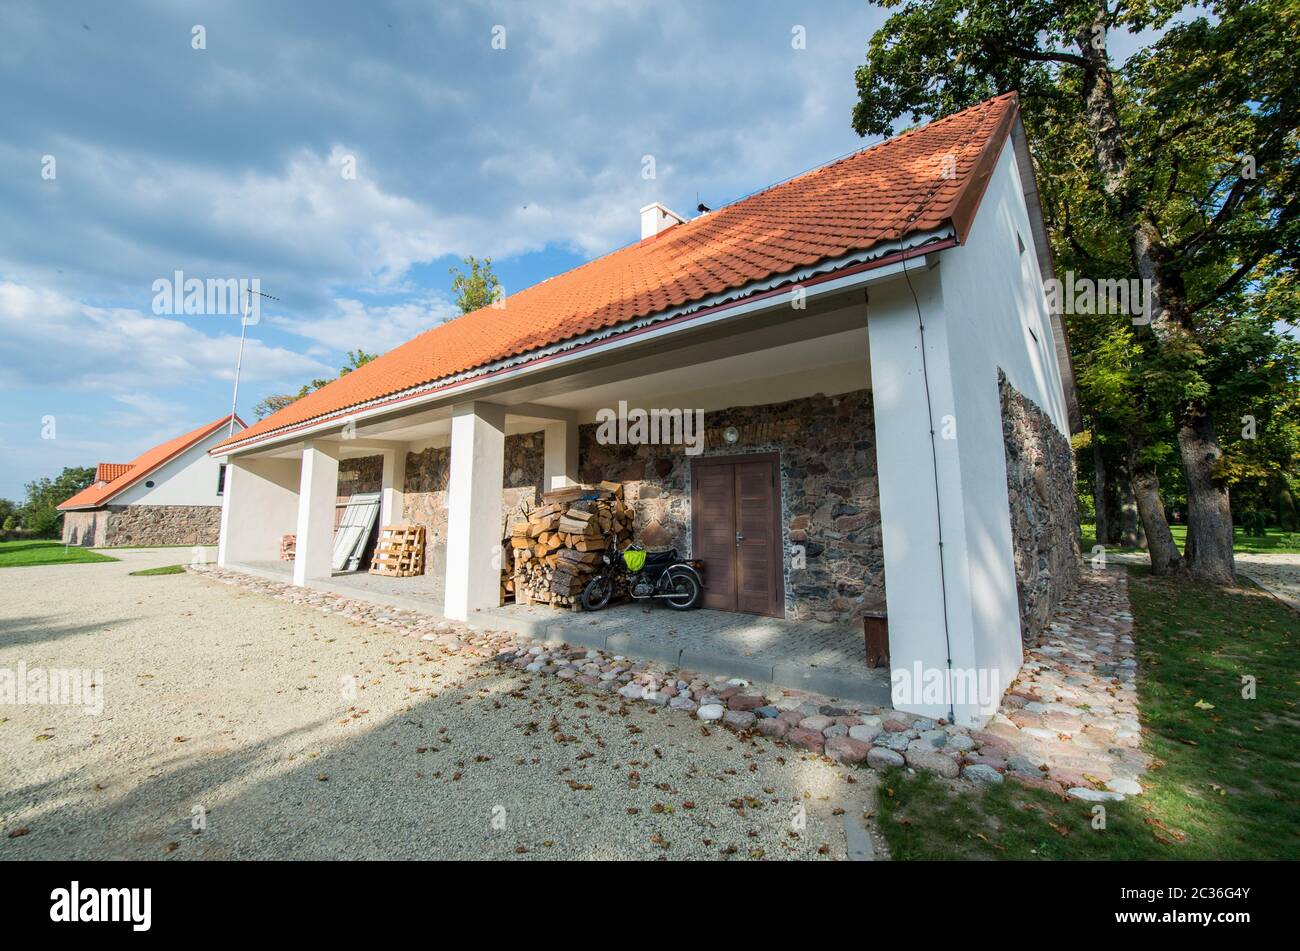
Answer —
(1284, 507)
(1113, 493)
(1209, 509)
(1099, 491)
(1125, 527)
(1112, 506)
(1133, 536)
(1209, 516)
(1165, 559)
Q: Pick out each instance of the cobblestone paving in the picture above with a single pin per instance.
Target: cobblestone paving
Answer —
(1070, 720)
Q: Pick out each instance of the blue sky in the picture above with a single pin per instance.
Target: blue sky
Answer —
(227, 162)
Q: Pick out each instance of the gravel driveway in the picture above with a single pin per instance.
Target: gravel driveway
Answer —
(294, 734)
(1276, 573)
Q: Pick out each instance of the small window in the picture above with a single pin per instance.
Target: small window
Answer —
(221, 478)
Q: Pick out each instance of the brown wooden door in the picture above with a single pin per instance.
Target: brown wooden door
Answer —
(735, 519)
(713, 531)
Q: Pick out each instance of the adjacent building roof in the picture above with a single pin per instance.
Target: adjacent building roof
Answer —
(923, 180)
(108, 471)
(112, 477)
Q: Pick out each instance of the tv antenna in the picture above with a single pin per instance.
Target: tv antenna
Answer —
(239, 362)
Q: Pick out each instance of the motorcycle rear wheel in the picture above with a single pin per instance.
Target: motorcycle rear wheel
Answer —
(685, 592)
(596, 593)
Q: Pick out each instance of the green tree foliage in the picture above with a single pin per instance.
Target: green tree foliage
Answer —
(40, 512)
(476, 288)
(1180, 167)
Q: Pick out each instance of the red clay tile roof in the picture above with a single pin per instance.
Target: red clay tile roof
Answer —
(899, 187)
(108, 471)
(132, 472)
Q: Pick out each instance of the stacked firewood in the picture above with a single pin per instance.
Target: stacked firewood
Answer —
(560, 544)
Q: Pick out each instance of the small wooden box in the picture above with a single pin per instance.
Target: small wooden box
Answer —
(875, 629)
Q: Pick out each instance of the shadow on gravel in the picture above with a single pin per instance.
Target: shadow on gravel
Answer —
(21, 631)
(495, 766)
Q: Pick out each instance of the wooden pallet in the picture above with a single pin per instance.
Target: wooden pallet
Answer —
(399, 553)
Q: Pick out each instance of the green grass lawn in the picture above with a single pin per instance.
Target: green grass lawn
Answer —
(1225, 784)
(29, 552)
(1275, 541)
(164, 570)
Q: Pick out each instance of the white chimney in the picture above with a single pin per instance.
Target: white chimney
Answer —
(656, 218)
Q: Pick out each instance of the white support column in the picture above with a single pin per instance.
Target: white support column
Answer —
(227, 511)
(394, 482)
(259, 505)
(560, 466)
(317, 493)
(478, 444)
(927, 587)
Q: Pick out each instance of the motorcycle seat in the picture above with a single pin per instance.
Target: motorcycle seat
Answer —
(661, 558)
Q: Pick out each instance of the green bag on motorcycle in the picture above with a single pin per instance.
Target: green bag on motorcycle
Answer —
(635, 560)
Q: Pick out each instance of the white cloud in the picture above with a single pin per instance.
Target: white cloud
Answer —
(375, 329)
(122, 350)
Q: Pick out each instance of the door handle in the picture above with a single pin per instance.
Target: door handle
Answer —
(739, 539)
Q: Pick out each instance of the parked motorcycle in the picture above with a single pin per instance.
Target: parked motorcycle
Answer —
(658, 575)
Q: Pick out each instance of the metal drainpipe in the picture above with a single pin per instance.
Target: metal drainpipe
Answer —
(938, 508)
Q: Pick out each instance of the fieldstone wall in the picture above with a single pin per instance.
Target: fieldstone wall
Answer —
(830, 498)
(1044, 510)
(359, 476)
(425, 491)
(161, 524)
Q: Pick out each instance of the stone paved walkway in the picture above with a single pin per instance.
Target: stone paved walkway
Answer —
(1279, 575)
(1070, 720)
(422, 593)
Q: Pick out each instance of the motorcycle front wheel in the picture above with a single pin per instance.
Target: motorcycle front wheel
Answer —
(683, 592)
(597, 592)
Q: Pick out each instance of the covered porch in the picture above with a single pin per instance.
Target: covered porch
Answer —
(789, 386)
(821, 658)
(826, 659)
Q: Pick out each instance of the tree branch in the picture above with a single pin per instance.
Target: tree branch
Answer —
(1037, 56)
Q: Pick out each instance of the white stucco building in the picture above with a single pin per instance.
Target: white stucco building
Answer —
(170, 494)
(887, 404)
